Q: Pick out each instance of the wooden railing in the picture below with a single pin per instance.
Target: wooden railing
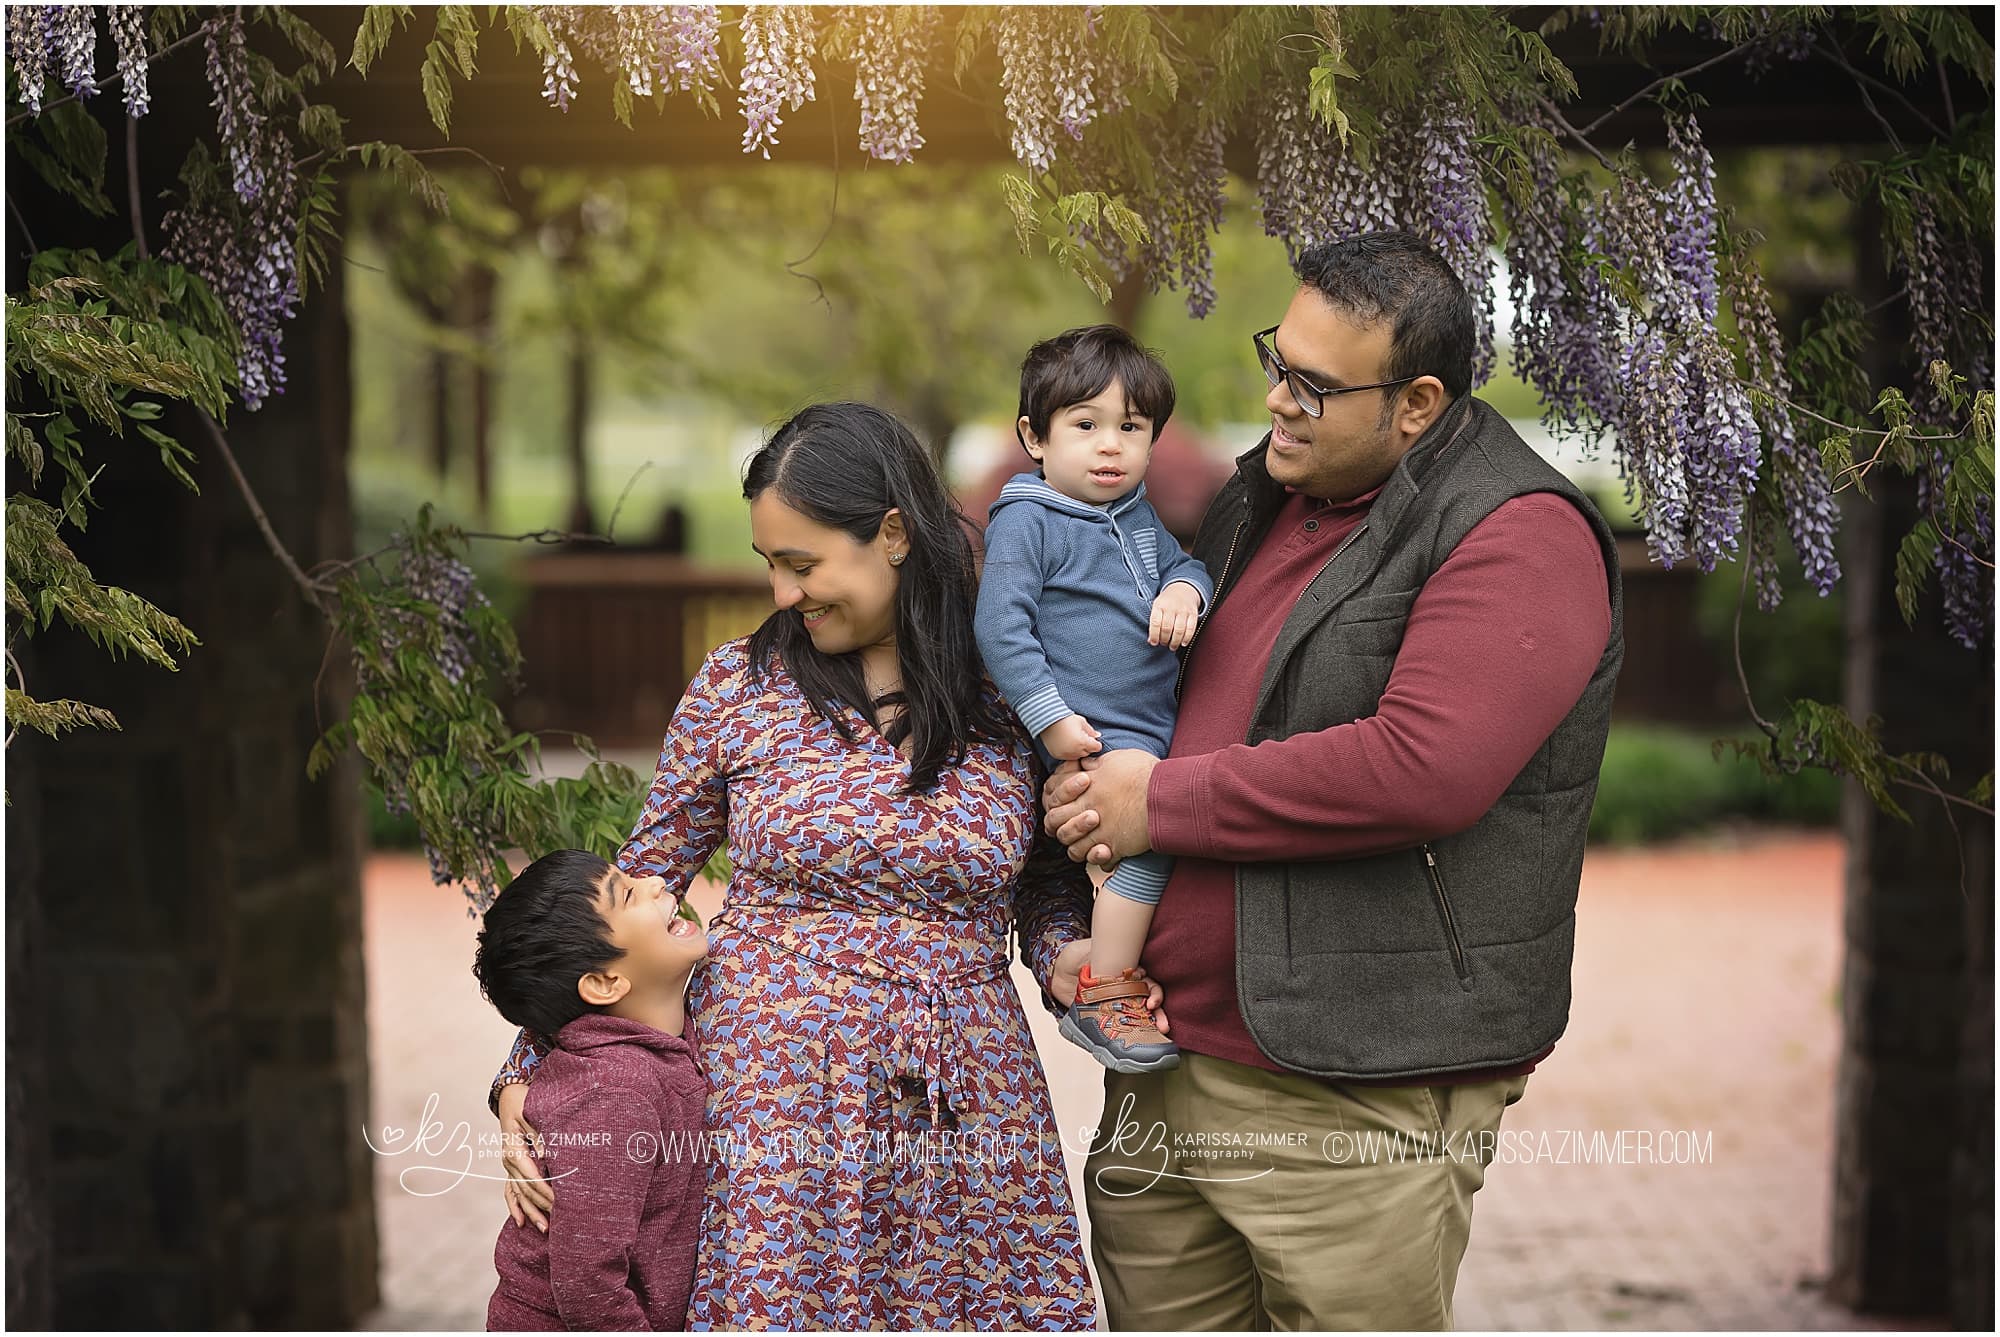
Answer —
(611, 641)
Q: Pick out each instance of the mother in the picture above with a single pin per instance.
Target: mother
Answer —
(887, 1152)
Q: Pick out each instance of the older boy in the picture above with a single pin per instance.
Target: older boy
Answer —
(575, 949)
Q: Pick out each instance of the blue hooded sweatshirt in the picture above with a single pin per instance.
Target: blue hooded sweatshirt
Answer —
(1064, 607)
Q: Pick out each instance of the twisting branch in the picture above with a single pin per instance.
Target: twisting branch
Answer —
(611, 528)
(313, 594)
(22, 223)
(832, 215)
(1555, 114)
(1783, 763)
(1862, 77)
(132, 185)
(21, 679)
(1662, 82)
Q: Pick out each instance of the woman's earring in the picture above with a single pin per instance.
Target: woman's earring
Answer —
(896, 558)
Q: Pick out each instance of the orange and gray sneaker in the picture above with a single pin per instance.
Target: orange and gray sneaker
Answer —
(1110, 1019)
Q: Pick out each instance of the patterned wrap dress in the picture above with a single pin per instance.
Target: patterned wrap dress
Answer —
(886, 1154)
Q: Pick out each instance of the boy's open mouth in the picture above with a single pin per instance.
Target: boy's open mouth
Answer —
(682, 921)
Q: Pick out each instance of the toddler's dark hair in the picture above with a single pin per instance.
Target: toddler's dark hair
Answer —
(1076, 364)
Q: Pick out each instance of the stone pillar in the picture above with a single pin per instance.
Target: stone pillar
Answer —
(200, 982)
(1914, 1103)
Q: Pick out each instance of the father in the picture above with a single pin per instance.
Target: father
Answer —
(1390, 729)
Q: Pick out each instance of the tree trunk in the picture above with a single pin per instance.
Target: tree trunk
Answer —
(30, 1226)
(580, 520)
(1914, 1100)
(1127, 296)
(441, 414)
(479, 290)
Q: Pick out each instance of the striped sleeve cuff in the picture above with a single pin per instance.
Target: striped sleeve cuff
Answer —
(1042, 709)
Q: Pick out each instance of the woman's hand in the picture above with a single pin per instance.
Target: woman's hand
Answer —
(529, 1196)
(1067, 978)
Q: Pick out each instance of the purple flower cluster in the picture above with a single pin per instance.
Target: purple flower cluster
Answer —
(1779, 42)
(689, 42)
(1963, 561)
(636, 45)
(238, 122)
(245, 247)
(28, 52)
(1311, 188)
(73, 39)
(128, 33)
(1048, 76)
(1181, 206)
(62, 40)
(1690, 441)
(1947, 320)
(777, 70)
(1945, 277)
(449, 587)
(1805, 492)
(1449, 210)
(889, 78)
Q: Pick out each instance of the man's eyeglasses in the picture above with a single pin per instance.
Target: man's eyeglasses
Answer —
(1311, 398)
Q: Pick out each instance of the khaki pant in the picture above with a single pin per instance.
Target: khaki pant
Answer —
(1223, 1196)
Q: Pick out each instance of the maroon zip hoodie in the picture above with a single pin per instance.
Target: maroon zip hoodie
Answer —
(619, 1107)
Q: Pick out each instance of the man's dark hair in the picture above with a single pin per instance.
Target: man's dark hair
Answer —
(1399, 277)
(542, 935)
(1076, 364)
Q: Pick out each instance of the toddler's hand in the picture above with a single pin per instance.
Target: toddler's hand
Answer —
(1176, 613)
(1071, 737)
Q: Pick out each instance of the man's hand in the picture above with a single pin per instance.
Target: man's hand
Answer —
(1097, 806)
(1071, 737)
(1176, 613)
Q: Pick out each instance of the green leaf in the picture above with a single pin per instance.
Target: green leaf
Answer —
(378, 24)
(621, 101)
(458, 29)
(320, 126)
(175, 456)
(1020, 196)
(54, 718)
(408, 169)
(21, 444)
(437, 87)
(305, 39)
(1914, 559)
(70, 154)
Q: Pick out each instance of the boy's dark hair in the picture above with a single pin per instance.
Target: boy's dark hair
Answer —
(1399, 277)
(1076, 364)
(542, 935)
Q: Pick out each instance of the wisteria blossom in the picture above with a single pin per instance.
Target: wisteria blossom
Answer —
(128, 34)
(1048, 70)
(777, 70)
(28, 52)
(889, 78)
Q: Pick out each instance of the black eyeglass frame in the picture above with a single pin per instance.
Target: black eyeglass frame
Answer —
(1275, 370)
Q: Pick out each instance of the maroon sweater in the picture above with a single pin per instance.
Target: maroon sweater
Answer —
(1493, 657)
(619, 1107)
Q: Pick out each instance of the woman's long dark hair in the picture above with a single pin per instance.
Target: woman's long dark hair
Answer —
(847, 466)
